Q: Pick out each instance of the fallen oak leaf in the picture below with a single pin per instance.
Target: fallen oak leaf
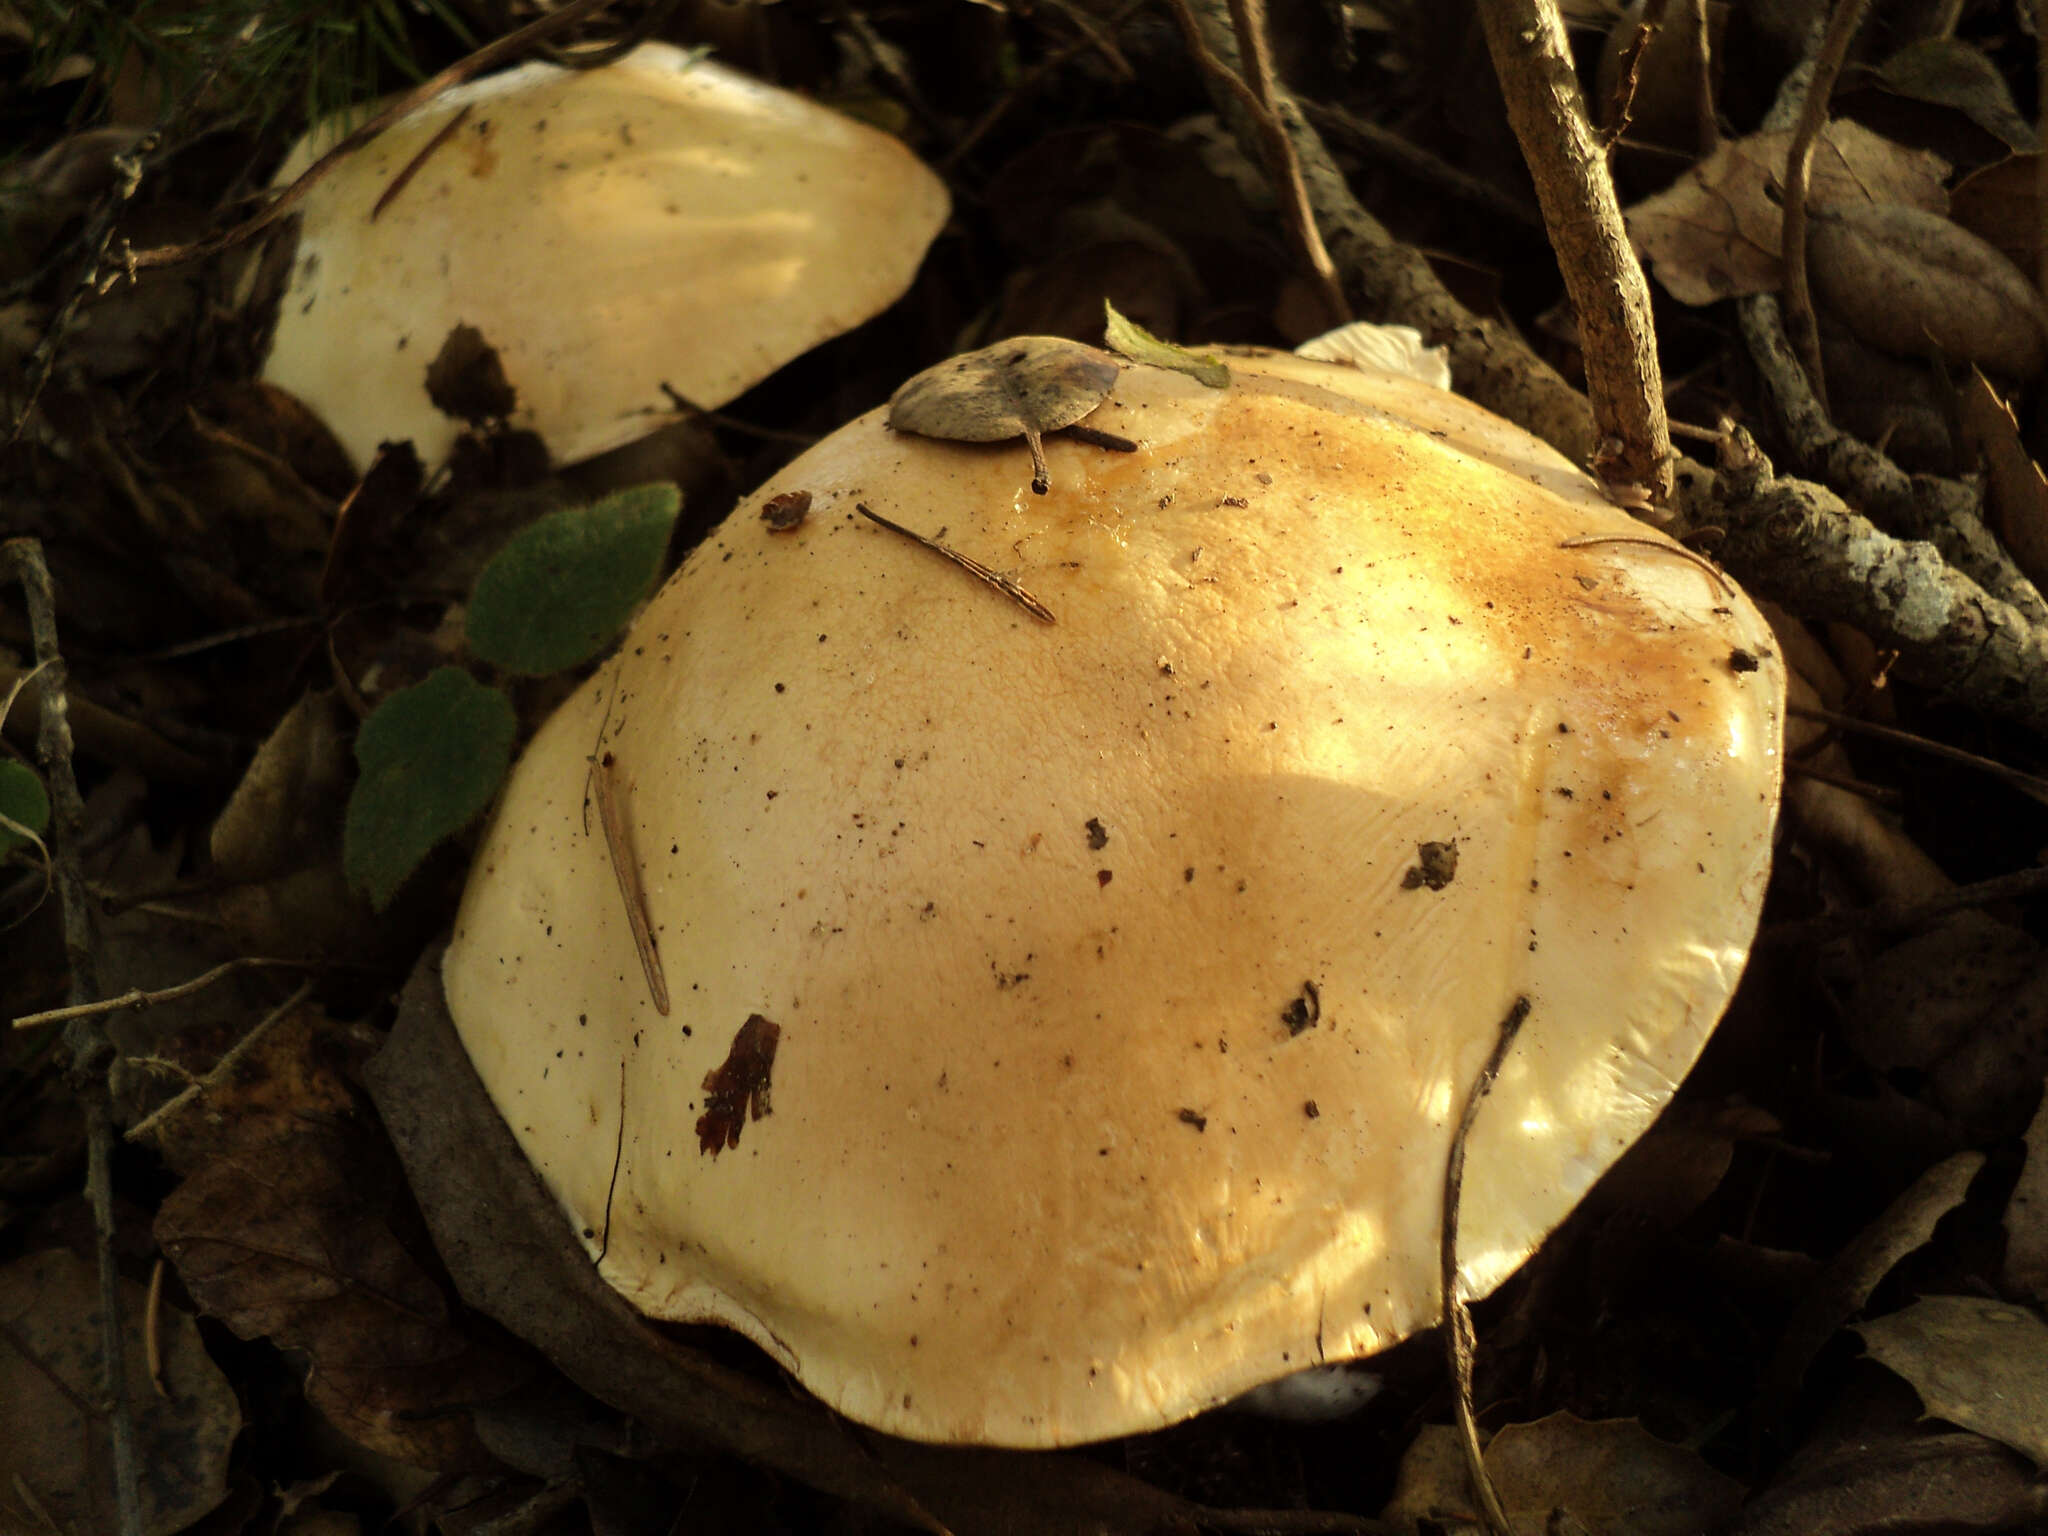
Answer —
(1976, 1362)
(1024, 387)
(1717, 232)
(1904, 279)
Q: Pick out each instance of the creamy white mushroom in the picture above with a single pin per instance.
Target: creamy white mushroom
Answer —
(1069, 1019)
(662, 220)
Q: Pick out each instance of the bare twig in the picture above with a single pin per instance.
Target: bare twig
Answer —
(229, 1061)
(1258, 95)
(691, 408)
(1813, 116)
(86, 1041)
(1006, 585)
(492, 54)
(1601, 274)
(139, 998)
(413, 167)
(1458, 1339)
(2026, 783)
(1411, 159)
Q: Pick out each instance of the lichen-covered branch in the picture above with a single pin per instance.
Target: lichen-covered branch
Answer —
(1947, 513)
(1608, 291)
(1798, 543)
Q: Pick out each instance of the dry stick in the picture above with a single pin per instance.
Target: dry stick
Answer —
(139, 998)
(492, 54)
(1458, 1340)
(90, 1050)
(2025, 783)
(1843, 23)
(417, 163)
(228, 1062)
(1411, 159)
(1601, 274)
(1257, 95)
(1004, 584)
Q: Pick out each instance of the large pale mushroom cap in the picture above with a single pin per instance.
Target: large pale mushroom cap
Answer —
(659, 220)
(1122, 1023)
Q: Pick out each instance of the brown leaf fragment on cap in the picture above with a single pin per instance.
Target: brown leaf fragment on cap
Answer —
(465, 380)
(1098, 834)
(1024, 388)
(787, 511)
(1193, 1117)
(1436, 865)
(1740, 660)
(736, 1090)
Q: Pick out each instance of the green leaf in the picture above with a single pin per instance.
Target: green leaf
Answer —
(1141, 346)
(431, 756)
(22, 800)
(565, 584)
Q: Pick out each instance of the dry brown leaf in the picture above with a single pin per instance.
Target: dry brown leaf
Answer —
(1609, 1478)
(1676, 1168)
(286, 812)
(2015, 489)
(1907, 281)
(54, 1446)
(1949, 72)
(1716, 232)
(2026, 1215)
(283, 1229)
(1976, 1362)
(2001, 205)
(1961, 1485)
(1904, 1225)
(1024, 387)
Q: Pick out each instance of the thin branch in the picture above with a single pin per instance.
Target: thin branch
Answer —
(222, 1068)
(2026, 783)
(86, 1042)
(1609, 293)
(1458, 1339)
(139, 998)
(1411, 159)
(1843, 23)
(1258, 96)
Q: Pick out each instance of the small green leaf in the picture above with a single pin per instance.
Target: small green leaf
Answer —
(565, 584)
(431, 756)
(1141, 346)
(22, 800)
